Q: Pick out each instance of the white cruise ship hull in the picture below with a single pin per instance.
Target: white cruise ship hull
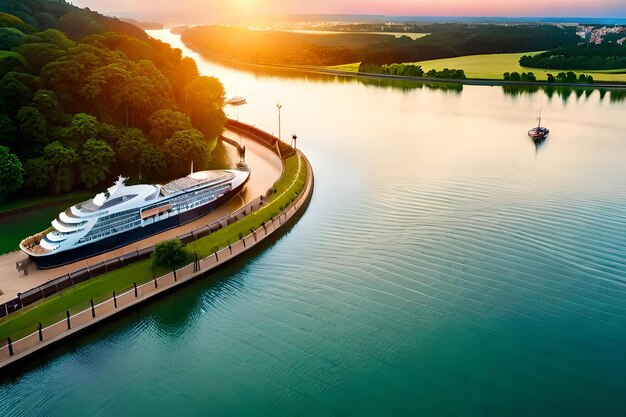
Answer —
(67, 256)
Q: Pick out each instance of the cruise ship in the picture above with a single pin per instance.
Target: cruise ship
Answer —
(124, 214)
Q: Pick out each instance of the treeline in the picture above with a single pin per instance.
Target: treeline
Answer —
(516, 76)
(83, 104)
(452, 40)
(606, 56)
(411, 70)
(561, 77)
(275, 47)
(444, 41)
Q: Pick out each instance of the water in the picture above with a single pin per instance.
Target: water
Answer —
(445, 267)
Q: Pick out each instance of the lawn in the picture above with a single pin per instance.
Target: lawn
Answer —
(76, 299)
(37, 216)
(492, 66)
(36, 201)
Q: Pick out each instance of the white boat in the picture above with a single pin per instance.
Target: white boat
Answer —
(236, 101)
(124, 214)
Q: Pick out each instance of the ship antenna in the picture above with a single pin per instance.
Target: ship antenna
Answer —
(192, 166)
(539, 118)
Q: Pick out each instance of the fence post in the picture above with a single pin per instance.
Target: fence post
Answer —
(40, 328)
(114, 300)
(216, 258)
(155, 281)
(93, 309)
(135, 285)
(230, 248)
(10, 346)
(175, 279)
(253, 234)
(69, 323)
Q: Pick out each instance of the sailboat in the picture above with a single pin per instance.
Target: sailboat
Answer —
(538, 133)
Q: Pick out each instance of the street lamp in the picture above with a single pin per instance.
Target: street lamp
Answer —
(279, 106)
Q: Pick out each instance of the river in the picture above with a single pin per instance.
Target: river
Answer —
(445, 267)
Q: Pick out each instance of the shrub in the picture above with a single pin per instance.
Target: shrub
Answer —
(170, 254)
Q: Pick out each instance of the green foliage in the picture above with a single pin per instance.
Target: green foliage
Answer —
(452, 74)
(407, 70)
(443, 41)
(97, 156)
(75, 83)
(165, 122)
(605, 56)
(37, 173)
(8, 131)
(204, 102)
(184, 147)
(10, 38)
(516, 76)
(32, 128)
(78, 25)
(61, 160)
(12, 21)
(11, 172)
(170, 254)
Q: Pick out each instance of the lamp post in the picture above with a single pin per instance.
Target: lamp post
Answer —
(279, 106)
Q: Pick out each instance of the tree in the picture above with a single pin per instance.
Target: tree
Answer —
(84, 127)
(37, 173)
(61, 160)
(204, 102)
(11, 172)
(163, 124)
(8, 131)
(97, 156)
(32, 128)
(46, 102)
(170, 254)
(184, 147)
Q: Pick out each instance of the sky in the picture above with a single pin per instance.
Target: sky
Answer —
(540, 8)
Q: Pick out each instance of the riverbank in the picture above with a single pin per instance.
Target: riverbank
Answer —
(251, 229)
(426, 80)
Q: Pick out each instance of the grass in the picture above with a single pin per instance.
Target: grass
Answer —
(35, 201)
(36, 217)
(492, 66)
(345, 67)
(76, 299)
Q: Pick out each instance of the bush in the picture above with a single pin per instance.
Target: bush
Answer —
(170, 254)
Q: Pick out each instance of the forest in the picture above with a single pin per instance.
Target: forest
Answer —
(443, 41)
(84, 97)
(605, 56)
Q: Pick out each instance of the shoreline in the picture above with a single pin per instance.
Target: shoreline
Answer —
(425, 80)
(44, 338)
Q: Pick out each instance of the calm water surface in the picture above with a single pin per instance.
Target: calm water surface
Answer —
(446, 267)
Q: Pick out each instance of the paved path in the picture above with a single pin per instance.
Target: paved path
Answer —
(265, 167)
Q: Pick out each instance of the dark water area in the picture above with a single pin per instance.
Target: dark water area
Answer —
(447, 266)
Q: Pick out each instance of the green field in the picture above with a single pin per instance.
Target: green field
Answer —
(492, 66)
(76, 299)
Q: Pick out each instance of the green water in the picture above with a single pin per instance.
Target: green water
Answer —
(445, 267)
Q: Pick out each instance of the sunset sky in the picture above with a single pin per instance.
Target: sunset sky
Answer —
(577, 8)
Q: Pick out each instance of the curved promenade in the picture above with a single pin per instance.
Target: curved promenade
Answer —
(43, 337)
